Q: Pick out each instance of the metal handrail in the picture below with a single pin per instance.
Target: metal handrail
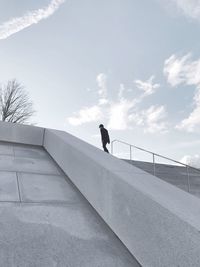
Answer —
(157, 155)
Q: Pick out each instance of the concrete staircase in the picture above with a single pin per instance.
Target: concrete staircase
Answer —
(173, 174)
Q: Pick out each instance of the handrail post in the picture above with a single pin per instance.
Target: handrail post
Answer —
(154, 166)
(188, 178)
(112, 147)
(130, 152)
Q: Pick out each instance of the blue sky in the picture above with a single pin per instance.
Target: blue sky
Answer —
(133, 65)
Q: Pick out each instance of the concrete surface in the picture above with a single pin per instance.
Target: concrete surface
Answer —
(22, 159)
(20, 133)
(33, 187)
(158, 223)
(8, 186)
(45, 221)
(173, 174)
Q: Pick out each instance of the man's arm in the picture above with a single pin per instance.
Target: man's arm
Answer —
(108, 138)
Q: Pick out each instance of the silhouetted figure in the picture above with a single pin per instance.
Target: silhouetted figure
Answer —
(104, 137)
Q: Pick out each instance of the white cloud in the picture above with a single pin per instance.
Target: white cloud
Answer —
(85, 115)
(193, 161)
(137, 118)
(118, 114)
(190, 8)
(102, 83)
(192, 123)
(185, 71)
(121, 91)
(103, 101)
(121, 114)
(182, 70)
(15, 25)
(147, 86)
(152, 119)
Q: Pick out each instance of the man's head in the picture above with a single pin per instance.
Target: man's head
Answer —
(101, 126)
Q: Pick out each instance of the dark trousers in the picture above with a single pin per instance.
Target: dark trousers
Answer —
(104, 146)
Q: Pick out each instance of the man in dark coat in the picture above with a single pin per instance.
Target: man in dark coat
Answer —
(104, 137)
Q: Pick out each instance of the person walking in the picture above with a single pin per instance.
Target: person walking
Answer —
(104, 137)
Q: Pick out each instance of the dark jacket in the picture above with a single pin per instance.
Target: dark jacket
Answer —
(105, 136)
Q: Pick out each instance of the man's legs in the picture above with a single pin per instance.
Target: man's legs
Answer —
(104, 147)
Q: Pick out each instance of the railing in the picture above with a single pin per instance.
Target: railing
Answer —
(131, 147)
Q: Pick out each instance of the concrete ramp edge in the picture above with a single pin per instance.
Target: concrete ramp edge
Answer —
(156, 221)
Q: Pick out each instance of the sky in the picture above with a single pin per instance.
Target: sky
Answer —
(132, 65)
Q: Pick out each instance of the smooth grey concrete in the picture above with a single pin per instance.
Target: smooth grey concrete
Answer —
(158, 223)
(8, 186)
(173, 174)
(29, 152)
(6, 149)
(25, 164)
(20, 133)
(34, 188)
(46, 222)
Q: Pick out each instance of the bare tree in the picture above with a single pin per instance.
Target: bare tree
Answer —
(15, 104)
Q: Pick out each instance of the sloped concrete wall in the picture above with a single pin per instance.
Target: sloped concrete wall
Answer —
(158, 223)
(19, 133)
(173, 174)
